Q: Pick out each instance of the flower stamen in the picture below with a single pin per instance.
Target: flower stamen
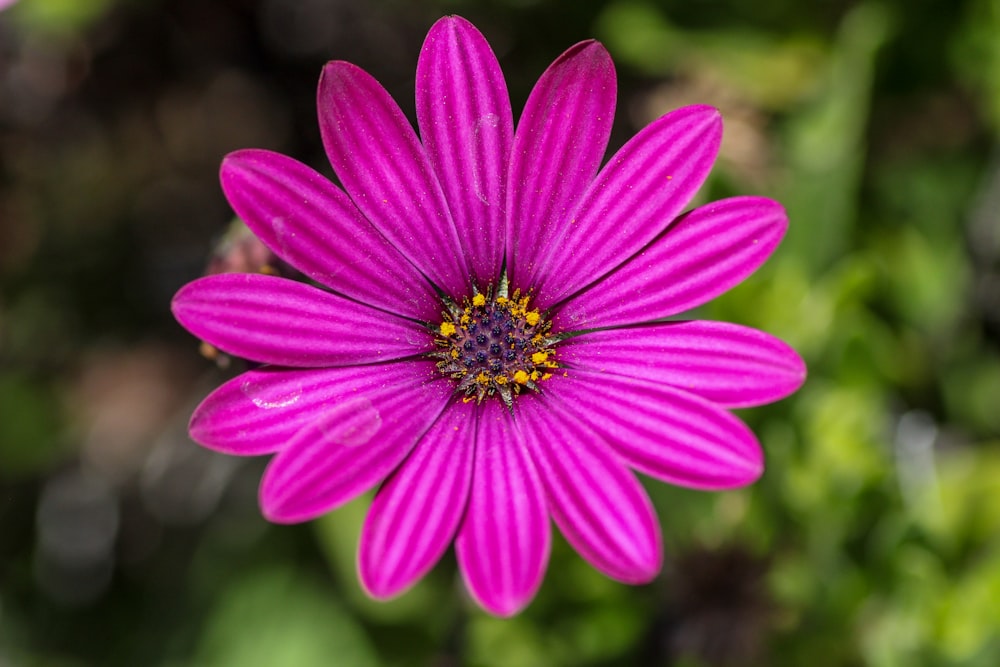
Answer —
(495, 344)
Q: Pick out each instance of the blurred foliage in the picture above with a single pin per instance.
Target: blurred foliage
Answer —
(872, 538)
(58, 16)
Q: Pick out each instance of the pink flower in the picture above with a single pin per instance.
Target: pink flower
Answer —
(491, 344)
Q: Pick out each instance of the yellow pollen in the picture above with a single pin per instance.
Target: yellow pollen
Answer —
(494, 345)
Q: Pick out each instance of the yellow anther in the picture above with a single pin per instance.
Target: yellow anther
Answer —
(517, 360)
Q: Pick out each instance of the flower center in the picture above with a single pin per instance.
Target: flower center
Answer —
(494, 343)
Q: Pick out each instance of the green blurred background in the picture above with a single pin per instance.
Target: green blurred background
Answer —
(873, 537)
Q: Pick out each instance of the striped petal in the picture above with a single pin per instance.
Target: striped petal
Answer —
(661, 431)
(278, 321)
(702, 255)
(558, 146)
(260, 411)
(725, 363)
(634, 198)
(359, 437)
(503, 543)
(595, 500)
(466, 125)
(313, 225)
(376, 155)
(416, 512)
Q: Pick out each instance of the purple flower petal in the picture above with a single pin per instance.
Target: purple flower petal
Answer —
(558, 146)
(662, 431)
(279, 321)
(417, 511)
(503, 543)
(357, 439)
(311, 224)
(466, 125)
(702, 255)
(260, 411)
(634, 198)
(376, 155)
(725, 363)
(597, 503)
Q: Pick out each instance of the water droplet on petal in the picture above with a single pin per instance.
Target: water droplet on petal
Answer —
(351, 423)
(281, 233)
(269, 396)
